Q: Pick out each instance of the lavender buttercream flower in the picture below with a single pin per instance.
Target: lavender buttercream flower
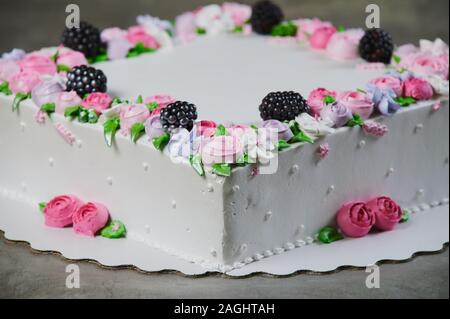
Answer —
(384, 100)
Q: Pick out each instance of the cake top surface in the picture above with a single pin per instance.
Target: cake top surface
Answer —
(227, 76)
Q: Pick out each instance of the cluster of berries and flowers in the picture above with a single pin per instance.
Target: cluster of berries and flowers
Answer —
(59, 80)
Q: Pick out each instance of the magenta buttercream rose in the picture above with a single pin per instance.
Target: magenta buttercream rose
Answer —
(387, 82)
(320, 38)
(138, 34)
(71, 58)
(418, 89)
(344, 45)
(97, 101)
(316, 99)
(358, 102)
(89, 219)
(222, 149)
(307, 27)
(65, 100)
(24, 81)
(132, 114)
(60, 210)
(206, 129)
(355, 219)
(387, 213)
(8, 68)
(36, 62)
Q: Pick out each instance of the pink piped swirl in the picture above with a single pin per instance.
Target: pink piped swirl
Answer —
(97, 101)
(321, 37)
(89, 219)
(36, 62)
(138, 34)
(24, 82)
(355, 219)
(388, 214)
(358, 102)
(375, 129)
(222, 149)
(71, 58)
(60, 210)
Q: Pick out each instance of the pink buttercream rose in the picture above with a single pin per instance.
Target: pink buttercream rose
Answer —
(239, 13)
(358, 102)
(387, 213)
(222, 149)
(89, 219)
(405, 50)
(344, 45)
(162, 100)
(97, 101)
(24, 81)
(206, 129)
(8, 68)
(185, 27)
(426, 64)
(418, 89)
(137, 34)
(355, 220)
(320, 38)
(307, 27)
(387, 82)
(66, 99)
(132, 114)
(316, 99)
(38, 63)
(71, 58)
(59, 211)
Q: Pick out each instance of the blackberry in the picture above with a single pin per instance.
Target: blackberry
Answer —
(265, 16)
(85, 39)
(283, 106)
(85, 80)
(178, 115)
(376, 46)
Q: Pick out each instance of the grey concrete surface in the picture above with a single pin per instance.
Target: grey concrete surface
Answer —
(24, 274)
(32, 24)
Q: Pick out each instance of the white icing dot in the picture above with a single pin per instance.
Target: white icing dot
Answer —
(331, 189)
(227, 268)
(109, 180)
(23, 186)
(420, 192)
(295, 169)
(79, 143)
(434, 204)
(238, 265)
(145, 166)
(210, 188)
(51, 161)
(418, 128)
(236, 188)
(300, 230)
(390, 171)
(268, 216)
(258, 257)
(309, 240)
(415, 210)
(147, 228)
(173, 204)
(445, 201)
(248, 260)
(278, 250)
(289, 246)
(213, 253)
(425, 207)
(268, 253)
(361, 144)
(22, 126)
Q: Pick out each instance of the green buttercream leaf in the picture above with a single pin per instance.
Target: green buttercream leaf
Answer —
(197, 165)
(140, 100)
(301, 138)
(397, 59)
(221, 130)
(161, 141)
(329, 99)
(341, 28)
(243, 160)
(294, 126)
(285, 29)
(115, 229)
(405, 101)
(4, 88)
(102, 56)
(238, 29)
(137, 130)
(222, 169)
(83, 115)
(48, 108)
(92, 116)
(110, 128)
(42, 206)
(18, 99)
(72, 111)
(138, 50)
(405, 217)
(116, 101)
(328, 235)
(357, 120)
(361, 91)
(201, 31)
(152, 106)
(282, 145)
(55, 56)
(63, 68)
(253, 126)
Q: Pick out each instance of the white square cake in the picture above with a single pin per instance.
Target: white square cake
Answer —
(226, 214)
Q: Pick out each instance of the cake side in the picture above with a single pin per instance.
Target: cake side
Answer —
(268, 214)
(163, 204)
